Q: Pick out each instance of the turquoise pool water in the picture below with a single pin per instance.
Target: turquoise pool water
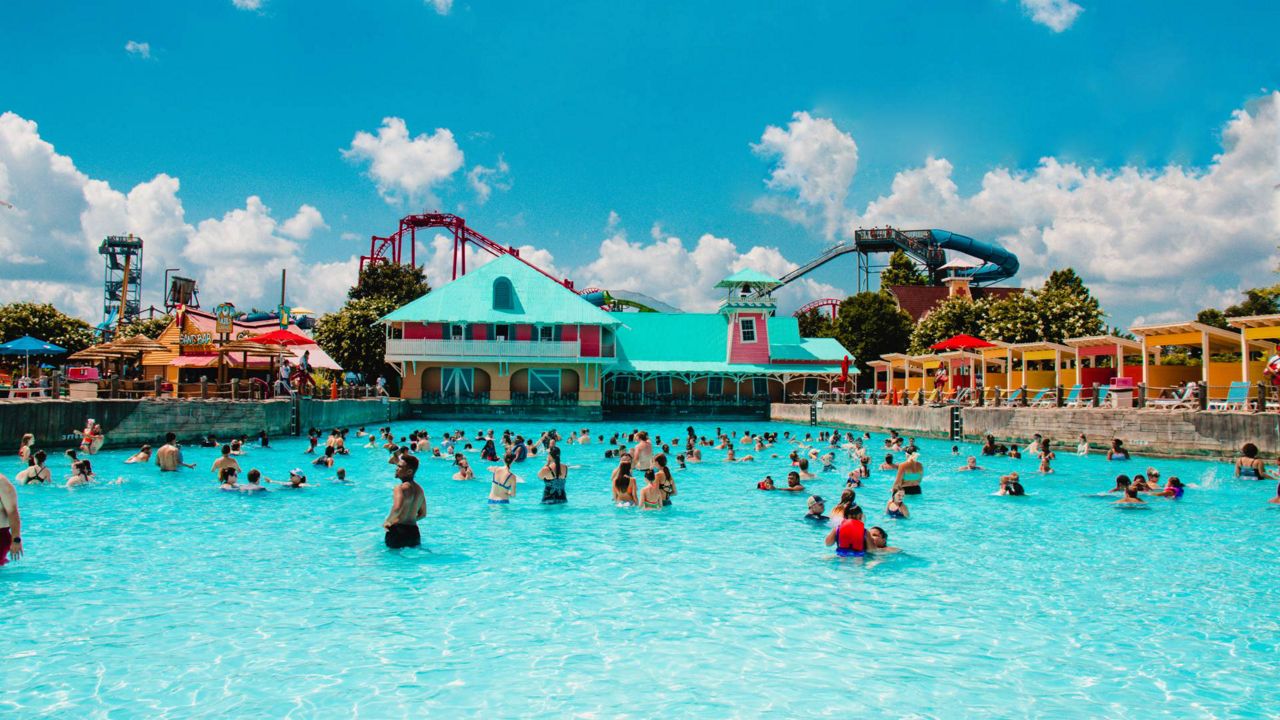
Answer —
(164, 597)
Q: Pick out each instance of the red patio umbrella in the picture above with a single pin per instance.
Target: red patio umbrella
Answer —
(961, 342)
(282, 337)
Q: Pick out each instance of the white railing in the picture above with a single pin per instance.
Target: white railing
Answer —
(505, 349)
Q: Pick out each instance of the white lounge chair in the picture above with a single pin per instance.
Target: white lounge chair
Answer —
(1237, 398)
(1184, 399)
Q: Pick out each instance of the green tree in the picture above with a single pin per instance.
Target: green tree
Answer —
(351, 335)
(400, 284)
(814, 323)
(1014, 319)
(1257, 301)
(1066, 308)
(871, 324)
(902, 270)
(950, 317)
(150, 328)
(46, 322)
(1214, 317)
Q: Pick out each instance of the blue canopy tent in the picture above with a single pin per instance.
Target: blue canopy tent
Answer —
(28, 346)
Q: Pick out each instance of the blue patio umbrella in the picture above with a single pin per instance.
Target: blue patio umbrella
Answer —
(27, 345)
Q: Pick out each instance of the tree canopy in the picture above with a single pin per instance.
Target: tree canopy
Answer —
(46, 322)
(952, 316)
(815, 323)
(871, 324)
(902, 270)
(351, 335)
(150, 328)
(1257, 301)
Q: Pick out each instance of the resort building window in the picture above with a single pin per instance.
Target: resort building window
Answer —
(715, 386)
(546, 333)
(504, 296)
(759, 387)
(455, 332)
(664, 385)
(502, 332)
(747, 328)
(810, 386)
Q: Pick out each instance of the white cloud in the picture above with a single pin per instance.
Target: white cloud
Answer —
(815, 160)
(483, 179)
(141, 49)
(248, 4)
(1057, 15)
(1148, 241)
(403, 166)
(441, 6)
(60, 215)
(304, 223)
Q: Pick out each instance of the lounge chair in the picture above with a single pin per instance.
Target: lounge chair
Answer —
(1044, 398)
(1073, 399)
(1237, 398)
(1103, 392)
(1184, 399)
(960, 398)
(1013, 397)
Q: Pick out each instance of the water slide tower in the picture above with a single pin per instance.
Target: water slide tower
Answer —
(122, 281)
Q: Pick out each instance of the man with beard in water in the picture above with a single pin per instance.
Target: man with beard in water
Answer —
(409, 505)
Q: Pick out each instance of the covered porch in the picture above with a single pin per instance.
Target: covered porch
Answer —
(1200, 338)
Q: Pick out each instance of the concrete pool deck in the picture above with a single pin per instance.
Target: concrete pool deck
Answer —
(1168, 433)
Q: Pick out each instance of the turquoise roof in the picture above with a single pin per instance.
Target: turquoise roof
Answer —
(698, 342)
(747, 275)
(469, 299)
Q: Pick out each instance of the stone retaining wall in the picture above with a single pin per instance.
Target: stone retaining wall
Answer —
(1172, 433)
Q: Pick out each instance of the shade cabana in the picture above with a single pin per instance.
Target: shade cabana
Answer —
(1196, 335)
(996, 356)
(1253, 330)
(1041, 351)
(896, 361)
(1093, 352)
(879, 367)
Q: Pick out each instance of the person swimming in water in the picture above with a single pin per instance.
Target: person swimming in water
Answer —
(1010, 485)
(816, 507)
(502, 487)
(850, 536)
(408, 506)
(227, 479)
(1173, 489)
(1249, 466)
(1130, 497)
(143, 455)
(793, 483)
(553, 476)
(970, 465)
(766, 483)
(897, 507)
(464, 468)
(254, 483)
(880, 541)
(1117, 451)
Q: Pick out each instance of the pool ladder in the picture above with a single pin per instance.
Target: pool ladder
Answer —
(957, 424)
(295, 415)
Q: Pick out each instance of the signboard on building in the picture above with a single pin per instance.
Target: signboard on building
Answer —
(226, 315)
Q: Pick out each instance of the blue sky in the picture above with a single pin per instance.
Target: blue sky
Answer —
(646, 110)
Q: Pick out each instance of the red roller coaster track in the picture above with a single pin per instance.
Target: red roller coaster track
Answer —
(390, 248)
(832, 303)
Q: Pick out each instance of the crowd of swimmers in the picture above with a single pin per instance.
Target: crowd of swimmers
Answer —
(643, 477)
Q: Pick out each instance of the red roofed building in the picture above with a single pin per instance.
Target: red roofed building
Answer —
(918, 300)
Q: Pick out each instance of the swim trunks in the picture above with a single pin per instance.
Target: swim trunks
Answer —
(6, 542)
(910, 489)
(403, 535)
(499, 502)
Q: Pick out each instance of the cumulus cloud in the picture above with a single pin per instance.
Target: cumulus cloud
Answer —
(1150, 242)
(816, 161)
(1057, 15)
(441, 6)
(248, 4)
(60, 215)
(405, 167)
(141, 49)
(483, 180)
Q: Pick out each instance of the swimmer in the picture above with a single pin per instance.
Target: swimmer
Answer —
(665, 481)
(254, 484)
(227, 478)
(225, 461)
(24, 447)
(553, 476)
(464, 468)
(1014, 454)
(880, 541)
(1082, 448)
(854, 479)
(850, 536)
(970, 465)
(1130, 497)
(1122, 484)
(35, 473)
(793, 483)
(1249, 466)
(341, 477)
(828, 461)
(766, 483)
(804, 471)
(1172, 489)
(650, 494)
(1117, 451)
(143, 455)
(83, 474)
(1046, 457)
(297, 480)
(848, 499)
(888, 463)
(325, 460)
(408, 506)
(10, 522)
(622, 483)
(816, 507)
(502, 487)
(910, 473)
(897, 507)
(1009, 485)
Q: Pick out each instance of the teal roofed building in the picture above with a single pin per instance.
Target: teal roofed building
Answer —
(507, 335)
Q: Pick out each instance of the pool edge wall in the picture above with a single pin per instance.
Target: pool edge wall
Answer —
(130, 423)
(1170, 433)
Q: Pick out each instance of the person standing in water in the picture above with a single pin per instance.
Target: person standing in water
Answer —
(10, 522)
(553, 477)
(850, 536)
(642, 453)
(651, 495)
(665, 481)
(408, 506)
(503, 485)
(910, 473)
(622, 482)
(1249, 466)
(36, 473)
(169, 456)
